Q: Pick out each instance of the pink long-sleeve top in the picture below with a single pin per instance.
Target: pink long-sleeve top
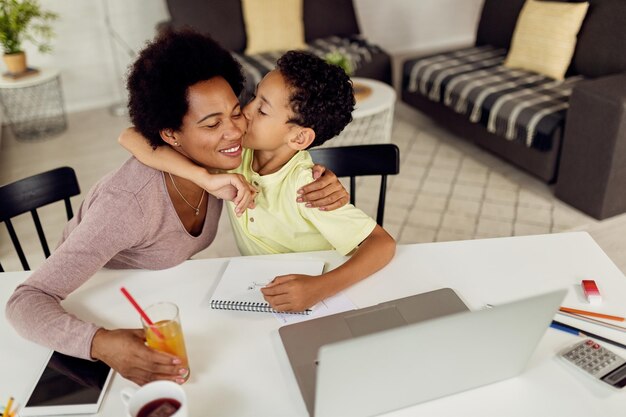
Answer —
(127, 220)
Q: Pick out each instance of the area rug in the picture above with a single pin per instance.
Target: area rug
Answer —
(449, 189)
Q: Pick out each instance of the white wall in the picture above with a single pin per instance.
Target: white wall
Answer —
(402, 26)
(92, 78)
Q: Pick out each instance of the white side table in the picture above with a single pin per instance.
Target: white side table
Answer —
(372, 117)
(34, 105)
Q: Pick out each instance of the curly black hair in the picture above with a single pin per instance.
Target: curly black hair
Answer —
(163, 72)
(322, 95)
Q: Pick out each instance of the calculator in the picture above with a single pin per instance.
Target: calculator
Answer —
(597, 361)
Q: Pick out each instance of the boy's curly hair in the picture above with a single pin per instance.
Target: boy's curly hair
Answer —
(163, 72)
(322, 96)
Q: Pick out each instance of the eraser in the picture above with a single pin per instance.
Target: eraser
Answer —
(591, 291)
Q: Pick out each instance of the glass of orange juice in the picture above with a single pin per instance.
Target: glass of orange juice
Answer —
(166, 333)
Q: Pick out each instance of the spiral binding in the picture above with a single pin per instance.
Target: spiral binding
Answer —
(249, 306)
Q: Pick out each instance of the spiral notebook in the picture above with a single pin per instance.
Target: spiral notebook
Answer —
(240, 285)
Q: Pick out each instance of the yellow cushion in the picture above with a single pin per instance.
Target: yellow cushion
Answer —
(273, 25)
(545, 37)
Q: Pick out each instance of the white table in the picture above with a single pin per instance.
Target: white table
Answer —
(372, 117)
(239, 367)
(34, 105)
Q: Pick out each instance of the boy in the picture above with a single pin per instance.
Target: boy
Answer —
(302, 103)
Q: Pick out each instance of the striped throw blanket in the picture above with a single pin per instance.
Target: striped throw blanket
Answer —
(515, 104)
(355, 47)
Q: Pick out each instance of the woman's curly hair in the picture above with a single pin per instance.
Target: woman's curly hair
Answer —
(163, 72)
(322, 95)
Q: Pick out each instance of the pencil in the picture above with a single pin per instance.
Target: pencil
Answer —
(594, 321)
(7, 409)
(16, 405)
(591, 314)
(574, 330)
(558, 326)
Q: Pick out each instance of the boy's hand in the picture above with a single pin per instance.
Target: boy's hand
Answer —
(231, 187)
(293, 292)
(325, 192)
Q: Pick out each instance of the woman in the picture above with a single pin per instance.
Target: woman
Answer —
(183, 93)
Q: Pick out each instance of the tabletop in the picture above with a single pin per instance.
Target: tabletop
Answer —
(44, 75)
(239, 367)
(382, 98)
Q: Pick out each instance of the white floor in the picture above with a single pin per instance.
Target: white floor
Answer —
(447, 188)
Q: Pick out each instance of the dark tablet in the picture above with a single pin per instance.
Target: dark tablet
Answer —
(68, 385)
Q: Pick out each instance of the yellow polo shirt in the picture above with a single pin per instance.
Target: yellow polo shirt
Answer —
(278, 224)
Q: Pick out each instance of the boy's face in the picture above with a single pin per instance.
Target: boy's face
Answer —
(213, 127)
(268, 114)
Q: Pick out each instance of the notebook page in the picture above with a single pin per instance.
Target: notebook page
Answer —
(244, 277)
(337, 303)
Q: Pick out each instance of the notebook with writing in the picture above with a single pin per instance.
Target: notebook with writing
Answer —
(240, 285)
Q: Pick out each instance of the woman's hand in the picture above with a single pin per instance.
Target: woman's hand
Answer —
(125, 351)
(325, 192)
(293, 292)
(230, 187)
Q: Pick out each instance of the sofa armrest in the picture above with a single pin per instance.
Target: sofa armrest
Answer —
(497, 22)
(222, 19)
(325, 18)
(163, 25)
(592, 172)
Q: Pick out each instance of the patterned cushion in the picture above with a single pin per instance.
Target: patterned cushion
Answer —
(256, 66)
(515, 104)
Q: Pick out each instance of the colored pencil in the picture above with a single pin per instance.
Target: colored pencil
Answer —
(591, 314)
(594, 321)
(574, 330)
(558, 326)
(7, 409)
(14, 410)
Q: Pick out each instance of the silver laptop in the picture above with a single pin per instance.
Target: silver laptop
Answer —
(403, 352)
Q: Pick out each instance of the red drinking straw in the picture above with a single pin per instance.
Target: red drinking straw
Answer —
(141, 312)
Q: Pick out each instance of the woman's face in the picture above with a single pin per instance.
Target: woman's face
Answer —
(213, 126)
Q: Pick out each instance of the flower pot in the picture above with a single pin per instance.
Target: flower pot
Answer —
(361, 91)
(16, 63)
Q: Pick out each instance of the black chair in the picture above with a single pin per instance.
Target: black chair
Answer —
(360, 160)
(29, 194)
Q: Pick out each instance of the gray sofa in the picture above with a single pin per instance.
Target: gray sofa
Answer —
(571, 133)
(328, 25)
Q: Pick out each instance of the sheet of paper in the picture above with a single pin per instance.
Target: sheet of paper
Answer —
(338, 303)
(240, 285)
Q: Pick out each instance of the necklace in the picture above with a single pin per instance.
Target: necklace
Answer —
(196, 209)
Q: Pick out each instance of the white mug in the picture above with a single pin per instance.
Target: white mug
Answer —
(135, 399)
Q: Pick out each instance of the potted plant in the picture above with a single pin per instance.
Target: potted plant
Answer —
(20, 21)
(342, 60)
(337, 57)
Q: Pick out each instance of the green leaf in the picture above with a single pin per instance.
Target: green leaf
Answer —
(24, 20)
(336, 57)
